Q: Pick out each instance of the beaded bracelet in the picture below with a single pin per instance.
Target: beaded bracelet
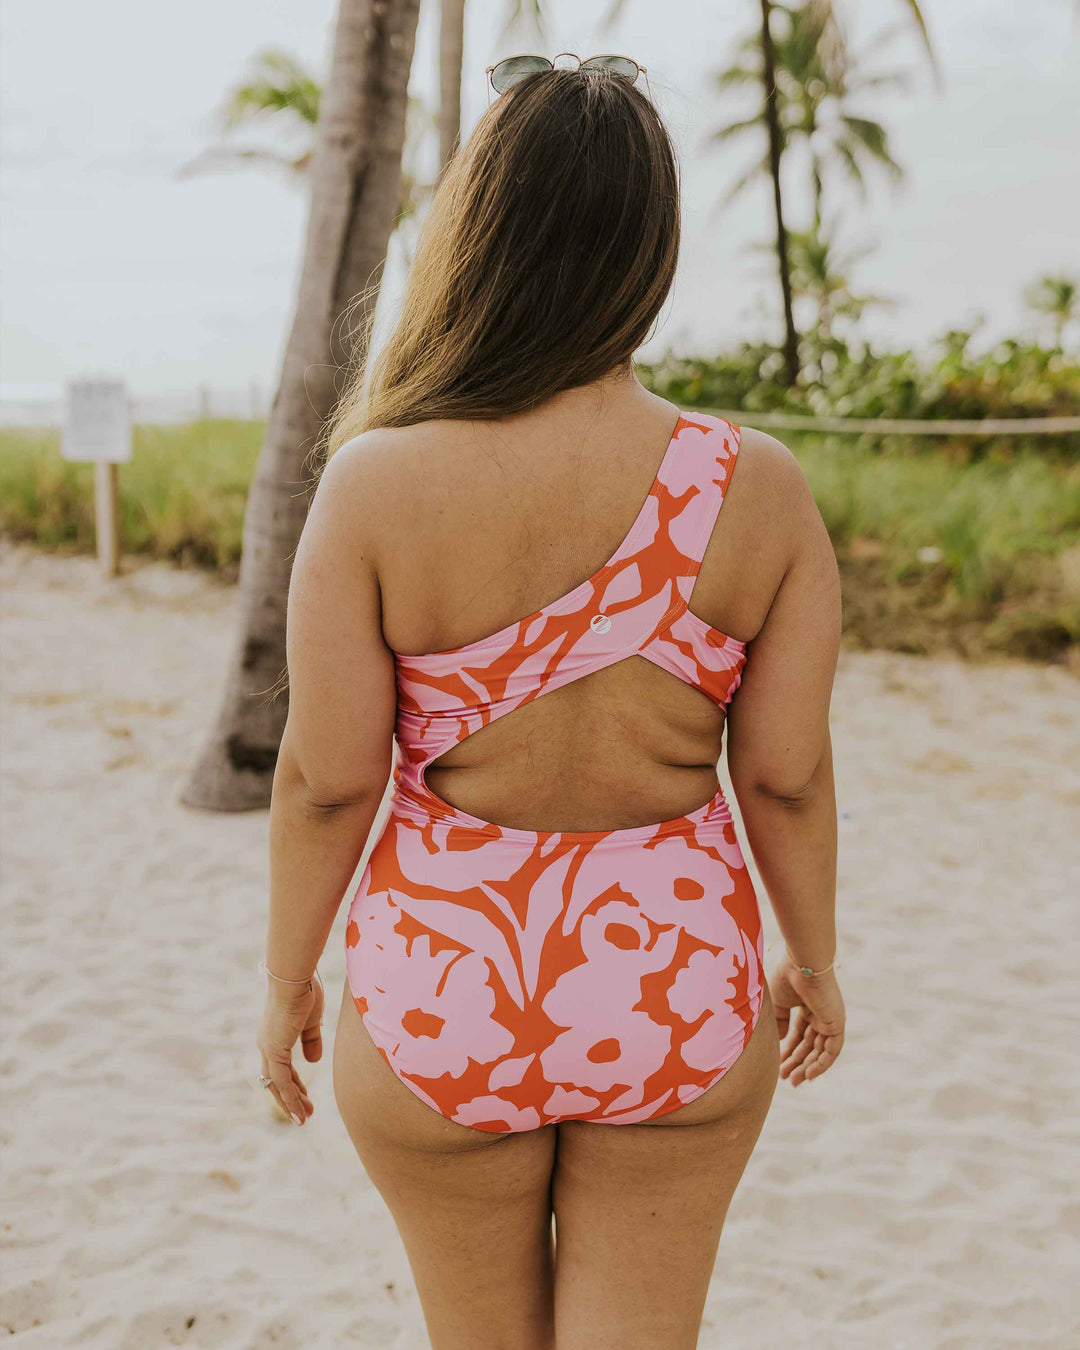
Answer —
(266, 970)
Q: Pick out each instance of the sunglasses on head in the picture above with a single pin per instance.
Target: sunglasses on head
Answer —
(514, 68)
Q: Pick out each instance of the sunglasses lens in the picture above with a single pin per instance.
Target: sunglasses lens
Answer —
(516, 68)
(618, 65)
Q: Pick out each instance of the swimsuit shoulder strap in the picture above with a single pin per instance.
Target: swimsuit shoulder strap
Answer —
(694, 485)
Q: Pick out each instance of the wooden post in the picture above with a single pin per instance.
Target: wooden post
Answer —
(107, 515)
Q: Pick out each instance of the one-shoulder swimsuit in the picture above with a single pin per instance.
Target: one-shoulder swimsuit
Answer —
(514, 978)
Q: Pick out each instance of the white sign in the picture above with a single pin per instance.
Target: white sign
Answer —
(97, 421)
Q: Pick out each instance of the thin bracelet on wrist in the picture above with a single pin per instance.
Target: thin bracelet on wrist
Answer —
(282, 980)
(805, 970)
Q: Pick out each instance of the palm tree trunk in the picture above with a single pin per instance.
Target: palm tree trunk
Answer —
(772, 121)
(355, 185)
(451, 51)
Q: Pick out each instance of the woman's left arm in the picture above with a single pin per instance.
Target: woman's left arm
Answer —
(335, 757)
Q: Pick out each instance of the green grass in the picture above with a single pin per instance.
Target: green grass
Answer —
(182, 494)
(984, 517)
(969, 556)
(1003, 535)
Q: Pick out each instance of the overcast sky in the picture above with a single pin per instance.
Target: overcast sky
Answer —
(113, 263)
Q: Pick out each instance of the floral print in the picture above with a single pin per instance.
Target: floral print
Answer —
(514, 978)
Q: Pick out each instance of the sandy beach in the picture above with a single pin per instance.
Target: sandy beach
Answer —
(920, 1196)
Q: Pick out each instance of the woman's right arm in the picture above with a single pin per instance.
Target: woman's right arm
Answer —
(780, 763)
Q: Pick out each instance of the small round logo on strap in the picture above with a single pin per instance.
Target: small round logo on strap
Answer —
(599, 623)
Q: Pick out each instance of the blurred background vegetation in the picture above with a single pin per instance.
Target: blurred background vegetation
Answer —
(968, 544)
(960, 545)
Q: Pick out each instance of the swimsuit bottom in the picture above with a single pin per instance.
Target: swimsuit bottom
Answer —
(518, 978)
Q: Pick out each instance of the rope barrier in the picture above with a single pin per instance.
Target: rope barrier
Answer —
(885, 426)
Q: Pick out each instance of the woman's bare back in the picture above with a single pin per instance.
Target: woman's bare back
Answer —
(483, 523)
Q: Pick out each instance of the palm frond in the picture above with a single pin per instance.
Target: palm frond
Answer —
(873, 136)
(535, 10)
(612, 15)
(230, 156)
(847, 157)
(824, 30)
(278, 83)
(759, 169)
(886, 79)
(915, 13)
(721, 135)
(735, 76)
(1053, 295)
(915, 10)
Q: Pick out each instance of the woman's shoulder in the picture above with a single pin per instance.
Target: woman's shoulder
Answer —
(390, 464)
(388, 482)
(395, 457)
(380, 449)
(769, 456)
(769, 478)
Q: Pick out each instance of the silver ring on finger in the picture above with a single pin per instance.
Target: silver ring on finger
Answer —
(264, 1081)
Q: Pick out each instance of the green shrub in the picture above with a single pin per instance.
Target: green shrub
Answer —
(1012, 379)
(935, 554)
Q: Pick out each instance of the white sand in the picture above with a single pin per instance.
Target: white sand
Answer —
(918, 1197)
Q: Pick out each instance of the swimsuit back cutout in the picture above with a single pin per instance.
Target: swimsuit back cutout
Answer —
(636, 604)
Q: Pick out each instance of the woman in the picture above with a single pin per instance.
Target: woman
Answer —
(555, 1006)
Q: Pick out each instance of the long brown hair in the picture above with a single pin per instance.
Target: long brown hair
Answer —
(549, 248)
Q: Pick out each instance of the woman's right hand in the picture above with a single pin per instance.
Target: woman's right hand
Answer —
(810, 1019)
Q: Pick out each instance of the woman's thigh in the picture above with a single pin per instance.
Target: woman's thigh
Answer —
(639, 1208)
(473, 1208)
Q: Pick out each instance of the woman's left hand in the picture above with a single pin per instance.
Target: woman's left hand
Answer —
(291, 1014)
